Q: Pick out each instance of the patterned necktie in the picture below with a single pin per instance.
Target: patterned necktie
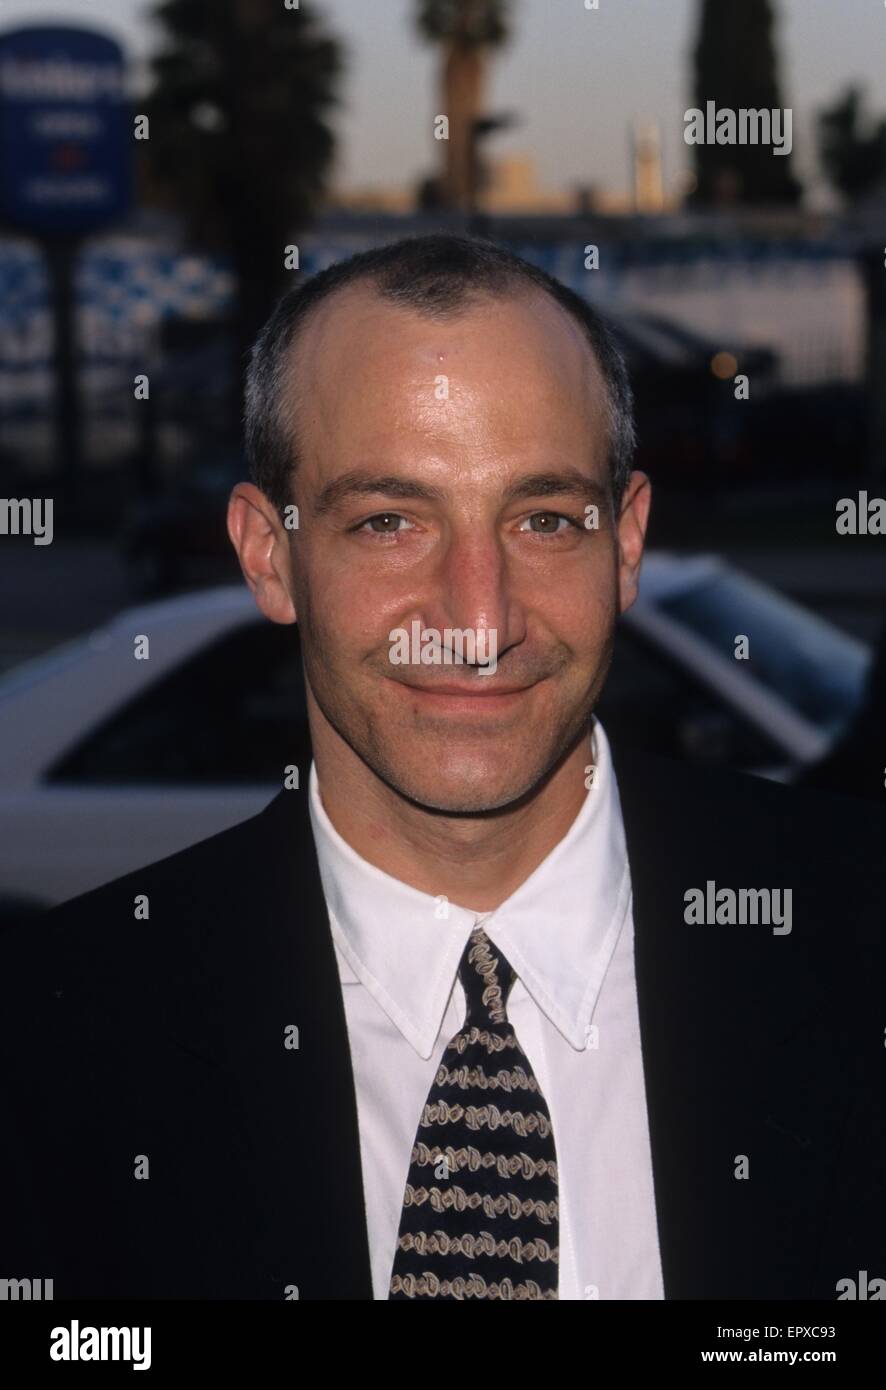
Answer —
(480, 1214)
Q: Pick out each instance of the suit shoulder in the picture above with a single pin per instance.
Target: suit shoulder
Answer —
(752, 806)
(747, 831)
(191, 885)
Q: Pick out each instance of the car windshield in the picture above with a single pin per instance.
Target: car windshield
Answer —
(819, 670)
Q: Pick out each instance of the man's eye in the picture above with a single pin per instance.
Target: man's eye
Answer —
(549, 523)
(384, 523)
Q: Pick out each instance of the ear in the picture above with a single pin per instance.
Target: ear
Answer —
(262, 545)
(631, 536)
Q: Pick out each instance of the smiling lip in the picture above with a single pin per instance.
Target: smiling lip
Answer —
(475, 691)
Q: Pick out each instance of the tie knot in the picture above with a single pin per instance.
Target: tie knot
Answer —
(486, 979)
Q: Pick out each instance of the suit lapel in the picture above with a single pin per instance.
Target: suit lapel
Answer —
(294, 1139)
(729, 1016)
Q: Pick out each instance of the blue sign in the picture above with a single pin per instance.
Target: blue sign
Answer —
(65, 131)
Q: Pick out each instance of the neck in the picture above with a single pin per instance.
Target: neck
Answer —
(473, 861)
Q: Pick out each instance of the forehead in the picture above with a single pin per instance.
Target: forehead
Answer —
(515, 370)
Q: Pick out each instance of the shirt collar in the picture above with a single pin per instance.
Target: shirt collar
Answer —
(558, 929)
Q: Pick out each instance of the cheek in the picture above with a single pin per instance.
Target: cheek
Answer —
(342, 630)
(585, 621)
(356, 609)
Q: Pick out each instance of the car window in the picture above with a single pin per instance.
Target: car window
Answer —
(650, 701)
(234, 713)
(817, 669)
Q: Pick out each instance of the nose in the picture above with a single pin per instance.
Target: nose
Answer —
(472, 590)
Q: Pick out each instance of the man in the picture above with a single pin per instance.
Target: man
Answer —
(486, 1009)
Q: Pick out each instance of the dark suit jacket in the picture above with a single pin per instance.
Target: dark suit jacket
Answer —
(165, 1038)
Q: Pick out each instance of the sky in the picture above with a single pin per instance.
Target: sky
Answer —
(577, 79)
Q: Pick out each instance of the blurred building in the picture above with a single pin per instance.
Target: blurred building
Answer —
(512, 187)
(648, 184)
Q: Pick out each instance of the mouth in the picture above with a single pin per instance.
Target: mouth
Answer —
(479, 695)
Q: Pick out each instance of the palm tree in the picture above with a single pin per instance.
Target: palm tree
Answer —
(239, 136)
(465, 30)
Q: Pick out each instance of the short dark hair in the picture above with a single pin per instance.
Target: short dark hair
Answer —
(438, 275)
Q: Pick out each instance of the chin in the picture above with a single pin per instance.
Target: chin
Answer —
(463, 790)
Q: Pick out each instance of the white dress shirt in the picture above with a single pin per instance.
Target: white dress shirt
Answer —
(568, 932)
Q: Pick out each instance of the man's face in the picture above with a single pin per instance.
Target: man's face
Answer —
(445, 476)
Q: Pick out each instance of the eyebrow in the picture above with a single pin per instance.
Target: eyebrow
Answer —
(566, 482)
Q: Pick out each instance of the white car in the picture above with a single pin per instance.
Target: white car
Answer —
(110, 761)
